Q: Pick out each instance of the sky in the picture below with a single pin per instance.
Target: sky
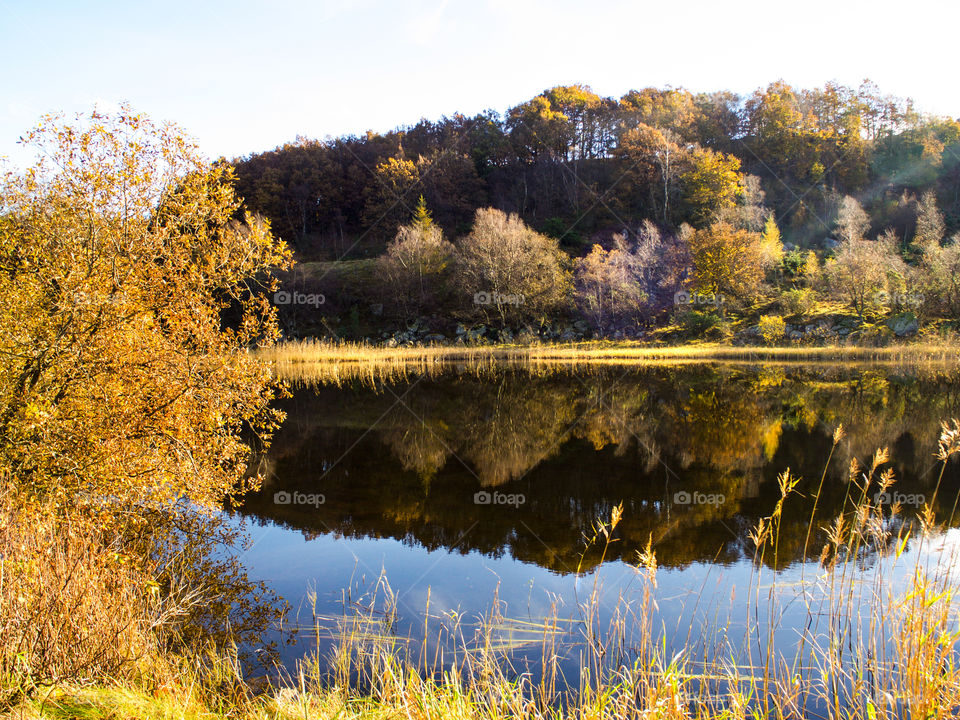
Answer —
(247, 76)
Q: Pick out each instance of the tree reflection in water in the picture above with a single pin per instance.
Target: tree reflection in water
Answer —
(404, 459)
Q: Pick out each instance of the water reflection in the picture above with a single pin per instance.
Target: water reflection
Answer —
(692, 451)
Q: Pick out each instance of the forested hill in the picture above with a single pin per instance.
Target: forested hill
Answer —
(578, 167)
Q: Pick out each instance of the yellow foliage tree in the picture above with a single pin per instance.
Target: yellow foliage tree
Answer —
(386, 202)
(127, 305)
(711, 183)
(771, 246)
(726, 261)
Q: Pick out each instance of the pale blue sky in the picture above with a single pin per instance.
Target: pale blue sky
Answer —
(245, 76)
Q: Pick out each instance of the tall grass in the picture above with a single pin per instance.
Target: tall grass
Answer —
(312, 361)
(869, 645)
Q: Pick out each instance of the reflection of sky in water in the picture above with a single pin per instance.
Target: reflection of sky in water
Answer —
(706, 604)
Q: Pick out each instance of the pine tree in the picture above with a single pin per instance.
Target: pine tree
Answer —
(422, 219)
(771, 247)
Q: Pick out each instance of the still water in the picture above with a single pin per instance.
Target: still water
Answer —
(466, 495)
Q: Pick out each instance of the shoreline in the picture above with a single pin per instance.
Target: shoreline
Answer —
(319, 351)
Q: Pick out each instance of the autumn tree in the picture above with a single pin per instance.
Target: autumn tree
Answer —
(608, 283)
(422, 219)
(122, 258)
(415, 262)
(586, 134)
(771, 247)
(750, 211)
(852, 221)
(862, 269)
(509, 270)
(777, 130)
(719, 120)
(669, 108)
(921, 154)
(388, 199)
(653, 166)
(130, 296)
(726, 260)
(710, 183)
(566, 123)
(537, 130)
(940, 268)
(931, 228)
(939, 265)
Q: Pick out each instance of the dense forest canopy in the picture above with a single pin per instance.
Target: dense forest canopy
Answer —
(580, 167)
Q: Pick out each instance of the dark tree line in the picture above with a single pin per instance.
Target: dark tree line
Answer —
(575, 165)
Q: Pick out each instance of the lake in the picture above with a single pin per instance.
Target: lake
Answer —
(468, 498)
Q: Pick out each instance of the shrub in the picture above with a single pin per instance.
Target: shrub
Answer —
(414, 265)
(129, 298)
(862, 269)
(772, 328)
(122, 257)
(71, 606)
(512, 272)
(699, 323)
(798, 302)
(607, 284)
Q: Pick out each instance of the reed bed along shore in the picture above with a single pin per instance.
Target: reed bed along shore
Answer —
(311, 361)
(312, 350)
